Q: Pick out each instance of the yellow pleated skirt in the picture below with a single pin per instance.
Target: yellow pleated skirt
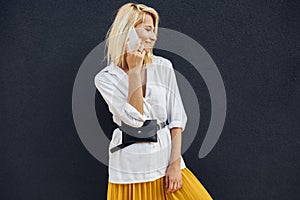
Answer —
(191, 189)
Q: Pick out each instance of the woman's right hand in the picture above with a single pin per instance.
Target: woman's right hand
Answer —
(134, 58)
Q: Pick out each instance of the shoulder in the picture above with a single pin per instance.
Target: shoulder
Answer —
(161, 61)
(163, 65)
(101, 76)
(105, 75)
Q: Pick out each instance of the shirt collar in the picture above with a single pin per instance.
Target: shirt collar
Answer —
(113, 69)
(116, 70)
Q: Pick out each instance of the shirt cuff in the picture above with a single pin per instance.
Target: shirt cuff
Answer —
(178, 124)
(134, 113)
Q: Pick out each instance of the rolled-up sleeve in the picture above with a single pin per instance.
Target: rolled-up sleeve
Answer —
(117, 101)
(175, 110)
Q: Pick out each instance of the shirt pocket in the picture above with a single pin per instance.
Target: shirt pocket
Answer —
(157, 99)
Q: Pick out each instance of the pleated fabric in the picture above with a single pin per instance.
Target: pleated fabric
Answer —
(191, 189)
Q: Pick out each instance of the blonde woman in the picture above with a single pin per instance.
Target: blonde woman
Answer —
(138, 86)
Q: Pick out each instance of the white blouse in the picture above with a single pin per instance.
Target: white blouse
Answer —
(142, 162)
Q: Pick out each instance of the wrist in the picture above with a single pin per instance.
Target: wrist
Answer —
(176, 162)
(135, 70)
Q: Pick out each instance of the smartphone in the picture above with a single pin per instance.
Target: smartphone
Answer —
(133, 39)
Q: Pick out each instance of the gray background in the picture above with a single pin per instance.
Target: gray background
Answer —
(255, 45)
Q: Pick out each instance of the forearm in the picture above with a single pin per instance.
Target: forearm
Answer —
(176, 135)
(135, 92)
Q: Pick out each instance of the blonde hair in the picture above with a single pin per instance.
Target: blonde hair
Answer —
(127, 17)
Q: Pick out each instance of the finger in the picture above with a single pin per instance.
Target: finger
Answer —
(143, 53)
(174, 187)
(167, 181)
(171, 186)
(180, 183)
(142, 47)
(168, 189)
(178, 186)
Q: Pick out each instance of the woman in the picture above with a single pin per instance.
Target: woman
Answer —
(137, 86)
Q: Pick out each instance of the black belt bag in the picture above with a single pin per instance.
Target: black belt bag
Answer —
(145, 133)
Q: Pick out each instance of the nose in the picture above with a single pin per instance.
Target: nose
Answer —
(153, 37)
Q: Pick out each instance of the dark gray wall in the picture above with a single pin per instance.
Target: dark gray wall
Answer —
(255, 45)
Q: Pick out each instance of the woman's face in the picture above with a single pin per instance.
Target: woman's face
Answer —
(145, 32)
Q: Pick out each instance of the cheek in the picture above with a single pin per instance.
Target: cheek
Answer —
(143, 35)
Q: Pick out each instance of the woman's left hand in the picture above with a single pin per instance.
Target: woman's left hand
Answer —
(173, 177)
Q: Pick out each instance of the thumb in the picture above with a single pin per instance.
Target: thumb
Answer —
(167, 181)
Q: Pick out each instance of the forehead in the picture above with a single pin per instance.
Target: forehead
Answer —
(148, 20)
